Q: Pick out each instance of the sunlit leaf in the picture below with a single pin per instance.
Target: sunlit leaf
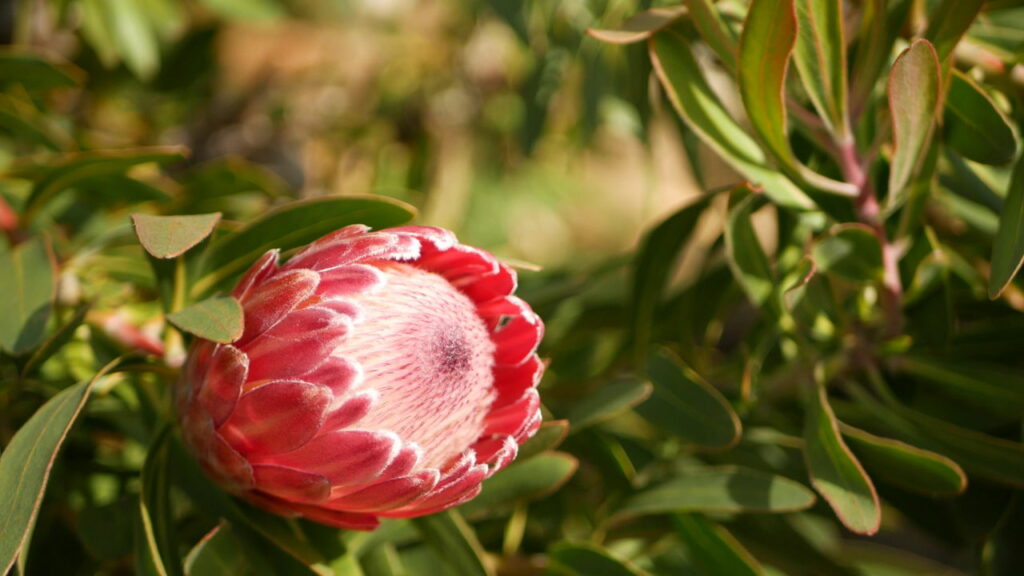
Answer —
(172, 236)
(685, 405)
(694, 100)
(725, 490)
(522, 481)
(913, 105)
(974, 126)
(905, 465)
(713, 548)
(747, 258)
(27, 288)
(707, 19)
(27, 460)
(579, 559)
(851, 252)
(454, 541)
(1008, 247)
(294, 225)
(835, 472)
(640, 26)
(155, 508)
(820, 57)
(607, 401)
(769, 36)
(217, 319)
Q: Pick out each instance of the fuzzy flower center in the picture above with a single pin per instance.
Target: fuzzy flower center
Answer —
(424, 349)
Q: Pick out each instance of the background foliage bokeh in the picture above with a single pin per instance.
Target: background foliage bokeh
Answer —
(773, 379)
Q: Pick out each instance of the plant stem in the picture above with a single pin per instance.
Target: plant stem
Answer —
(869, 212)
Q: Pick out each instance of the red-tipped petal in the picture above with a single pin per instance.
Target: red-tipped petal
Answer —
(388, 494)
(291, 484)
(510, 419)
(350, 279)
(448, 494)
(219, 393)
(333, 251)
(497, 451)
(513, 381)
(459, 264)
(350, 410)
(518, 339)
(297, 345)
(277, 417)
(345, 457)
(259, 271)
(339, 374)
(267, 303)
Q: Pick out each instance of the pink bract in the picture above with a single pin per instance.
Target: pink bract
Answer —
(380, 374)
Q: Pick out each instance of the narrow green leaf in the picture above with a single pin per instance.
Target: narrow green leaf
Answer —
(693, 99)
(36, 72)
(607, 401)
(905, 465)
(722, 490)
(56, 341)
(835, 472)
(640, 26)
(523, 481)
(27, 460)
(26, 123)
(1008, 247)
(974, 126)
(987, 385)
(70, 169)
(947, 23)
(155, 508)
(218, 319)
(220, 552)
(747, 259)
(27, 288)
(132, 35)
(851, 252)
(548, 437)
(171, 236)
(769, 36)
(584, 559)
(914, 84)
(820, 57)
(713, 548)
(719, 37)
(880, 25)
(653, 265)
(685, 405)
(246, 10)
(294, 225)
(382, 560)
(454, 541)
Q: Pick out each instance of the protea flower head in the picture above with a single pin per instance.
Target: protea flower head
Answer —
(380, 374)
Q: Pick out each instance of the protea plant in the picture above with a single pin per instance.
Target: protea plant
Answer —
(380, 374)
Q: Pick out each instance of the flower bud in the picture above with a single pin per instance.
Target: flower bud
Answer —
(380, 374)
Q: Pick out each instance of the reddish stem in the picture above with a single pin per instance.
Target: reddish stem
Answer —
(869, 212)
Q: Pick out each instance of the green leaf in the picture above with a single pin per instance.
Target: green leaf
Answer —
(608, 401)
(27, 288)
(905, 465)
(880, 25)
(820, 57)
(107, 531)
(694, 100)
(948, 22)
(914, 84)
(122, 30)
(548, 437)
(220, 552)
(986, 385)
(851, 252)
(1008, 247)
(640, 26)
(713, 548)
(747, 259)
(70, 169)
(27, 460)
(583, 559)
(769, 36)
(25, 122)
(155, 508)
(719, 37)
(382, 560)
(687, 406)
(653, 265)
(56, 341)
(171, 236)
(246, 10)
(974, 126)
(835, 472)
(523, 481)
(36, 72)
(721, 490)
(293, 225)
(454, 541)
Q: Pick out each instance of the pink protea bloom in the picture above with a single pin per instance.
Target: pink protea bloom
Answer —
(380, 374)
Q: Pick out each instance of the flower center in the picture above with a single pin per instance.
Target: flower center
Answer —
(424, 349)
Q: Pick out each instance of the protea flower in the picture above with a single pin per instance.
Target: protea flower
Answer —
(380, 374)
